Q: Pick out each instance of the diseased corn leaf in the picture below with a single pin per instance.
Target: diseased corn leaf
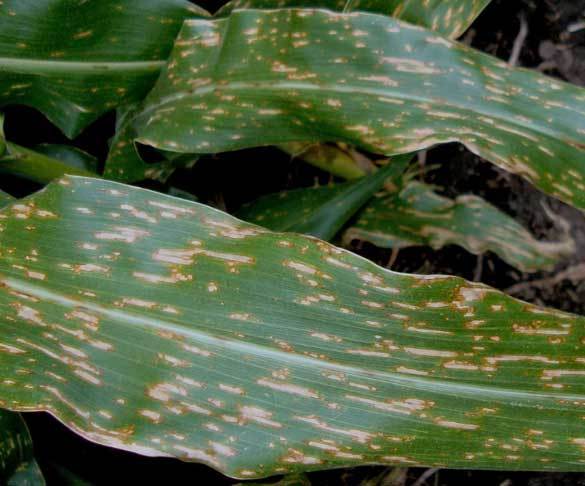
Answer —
(166, 327)
(45, 163)
(415, 215)
(331, 213)
(75, 60)
(419, 216)
(365, 79)
(125, 164)
(17, 465)
(449, 17)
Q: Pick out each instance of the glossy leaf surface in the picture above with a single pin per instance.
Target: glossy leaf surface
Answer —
(365, 79)
(75, 60)
(165, 327)
(449, 17)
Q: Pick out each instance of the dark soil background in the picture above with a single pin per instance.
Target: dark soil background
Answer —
(554, 44)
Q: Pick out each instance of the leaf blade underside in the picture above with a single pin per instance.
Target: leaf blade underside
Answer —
(381, 84)
(166, 327)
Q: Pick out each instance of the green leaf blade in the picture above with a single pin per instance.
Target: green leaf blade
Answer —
(329, 217)
(45, 162)
(74, 64)
(410, 90)
(124, 163)
(449, 17)
(165, 327)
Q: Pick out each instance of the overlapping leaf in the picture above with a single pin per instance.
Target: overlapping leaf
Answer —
(419, 216)
(415, 215)
(70, 155)
(125, 164)
(165, 327)
(17, 464)
(46, 162)
(449, 17)
(364, 79)
(329, 211)
(76, 60)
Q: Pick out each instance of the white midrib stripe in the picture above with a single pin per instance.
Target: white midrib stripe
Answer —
(38, 66)
(427, 384)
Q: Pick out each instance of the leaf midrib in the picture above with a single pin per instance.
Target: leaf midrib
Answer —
(41, 66)
(263, 350)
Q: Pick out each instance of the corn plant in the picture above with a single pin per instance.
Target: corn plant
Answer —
(165, 327)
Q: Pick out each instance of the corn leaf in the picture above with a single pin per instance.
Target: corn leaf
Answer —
(5, 198)
(45, 163)
(412, 216)
(74, 61)
(290, 210)
(365, 79)
(124, 162)
(17, 464)
(70, 155)
(449, 17)
(419, 216)
(325, 218)
(166, 327)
